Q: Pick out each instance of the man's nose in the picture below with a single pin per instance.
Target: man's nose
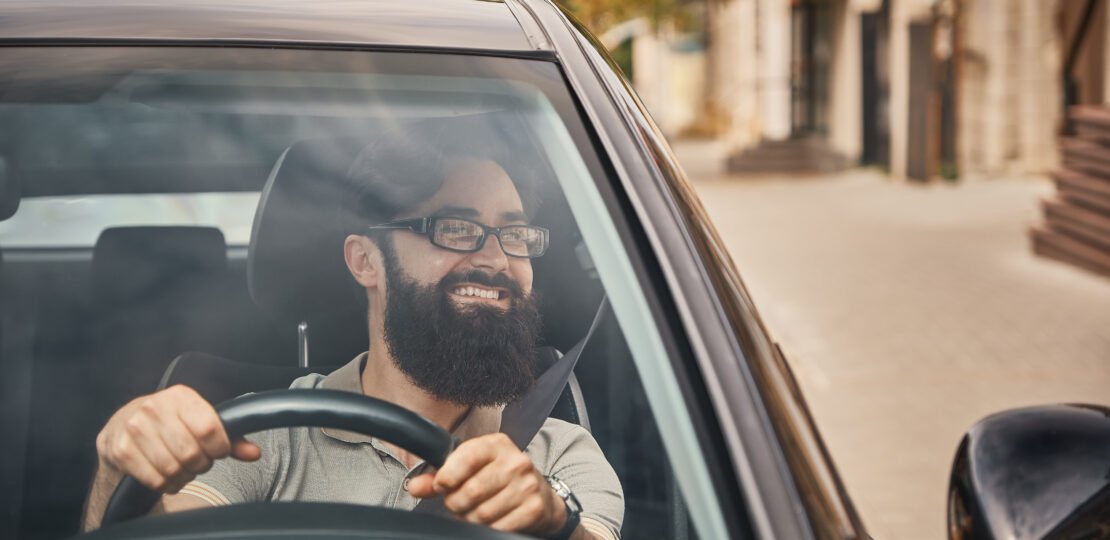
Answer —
(490, 255)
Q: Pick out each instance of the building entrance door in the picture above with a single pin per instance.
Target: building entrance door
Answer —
(874, 40)
(811, 55)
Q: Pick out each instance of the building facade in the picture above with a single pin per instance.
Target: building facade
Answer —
(922, 88)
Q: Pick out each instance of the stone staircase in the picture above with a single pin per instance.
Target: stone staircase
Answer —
(791, 156)
(1077, 220)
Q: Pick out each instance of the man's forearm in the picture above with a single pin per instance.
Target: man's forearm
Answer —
(589, 529)
(582, 534)
(103, 485)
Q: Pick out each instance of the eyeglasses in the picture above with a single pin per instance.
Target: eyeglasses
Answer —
(463, 235)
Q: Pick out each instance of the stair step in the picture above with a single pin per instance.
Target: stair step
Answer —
(1095, 114)
(1050, 243)
(792, 167)
(1082, 189)
(1086, 156)
(789, 156)
(1083, 224)
(1091, 122)
(1077, 222)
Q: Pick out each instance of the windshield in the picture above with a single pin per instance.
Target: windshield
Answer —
(234, 202)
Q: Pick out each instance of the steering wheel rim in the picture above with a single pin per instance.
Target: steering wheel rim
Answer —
(304, 408)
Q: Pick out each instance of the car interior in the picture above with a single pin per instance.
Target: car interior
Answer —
(87, 326)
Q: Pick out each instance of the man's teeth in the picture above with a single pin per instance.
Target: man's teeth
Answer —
(480, 293)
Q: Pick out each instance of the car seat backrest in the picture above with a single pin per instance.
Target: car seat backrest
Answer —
(154, 292)
(295, 267)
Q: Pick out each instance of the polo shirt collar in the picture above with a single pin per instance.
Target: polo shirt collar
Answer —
(348, 378)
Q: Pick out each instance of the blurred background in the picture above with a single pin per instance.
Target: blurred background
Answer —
(917, 193)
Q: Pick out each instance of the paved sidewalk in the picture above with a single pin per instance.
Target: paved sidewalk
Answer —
(909, 312)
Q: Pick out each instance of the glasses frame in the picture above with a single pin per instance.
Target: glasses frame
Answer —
(426, 226)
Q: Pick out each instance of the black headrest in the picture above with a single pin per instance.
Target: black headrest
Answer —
(9, 192)
(295, 268)
(131, 262)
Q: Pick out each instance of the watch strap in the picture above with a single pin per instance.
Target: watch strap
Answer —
(571, 524)
(574, 516)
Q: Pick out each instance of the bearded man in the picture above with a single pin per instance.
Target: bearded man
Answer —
(442, 253)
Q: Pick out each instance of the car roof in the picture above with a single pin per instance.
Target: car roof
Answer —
(457, 24)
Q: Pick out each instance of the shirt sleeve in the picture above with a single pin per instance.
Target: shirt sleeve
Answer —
(569, 453)
(231, 481)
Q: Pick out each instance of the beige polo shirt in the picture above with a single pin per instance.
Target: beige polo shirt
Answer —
(325, 465)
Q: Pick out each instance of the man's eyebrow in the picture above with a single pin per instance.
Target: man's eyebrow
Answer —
(456, 211)
(510, 217)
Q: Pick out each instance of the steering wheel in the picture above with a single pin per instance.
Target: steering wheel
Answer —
(304, 408)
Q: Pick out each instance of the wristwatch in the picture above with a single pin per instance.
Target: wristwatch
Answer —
(574, 509)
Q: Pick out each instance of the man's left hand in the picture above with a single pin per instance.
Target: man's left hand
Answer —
(488, 480)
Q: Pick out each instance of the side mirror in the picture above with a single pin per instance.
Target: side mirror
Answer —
(1038, 472)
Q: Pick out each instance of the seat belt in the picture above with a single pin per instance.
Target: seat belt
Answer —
(522, 419)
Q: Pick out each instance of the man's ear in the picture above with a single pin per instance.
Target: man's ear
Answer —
(364, 261)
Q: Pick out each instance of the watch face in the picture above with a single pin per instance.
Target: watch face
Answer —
(563, 491)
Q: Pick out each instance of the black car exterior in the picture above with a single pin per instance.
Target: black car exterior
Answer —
(772, 475)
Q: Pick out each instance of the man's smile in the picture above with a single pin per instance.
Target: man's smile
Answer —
(471, 293)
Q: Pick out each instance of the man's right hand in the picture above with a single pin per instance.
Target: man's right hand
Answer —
(164, 440)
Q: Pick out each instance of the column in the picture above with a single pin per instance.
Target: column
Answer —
(774, 68)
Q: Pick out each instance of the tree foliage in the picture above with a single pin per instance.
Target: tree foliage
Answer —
(600, 15)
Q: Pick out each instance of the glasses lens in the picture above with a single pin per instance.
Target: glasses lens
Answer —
(523, 241)
(457, 234)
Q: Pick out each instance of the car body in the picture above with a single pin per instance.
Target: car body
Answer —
(771, 476)
(761, 468)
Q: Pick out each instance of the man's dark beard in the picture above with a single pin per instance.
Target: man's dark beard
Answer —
(472, 355)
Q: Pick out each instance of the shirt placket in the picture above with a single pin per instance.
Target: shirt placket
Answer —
(404, 498)
(400, 497)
